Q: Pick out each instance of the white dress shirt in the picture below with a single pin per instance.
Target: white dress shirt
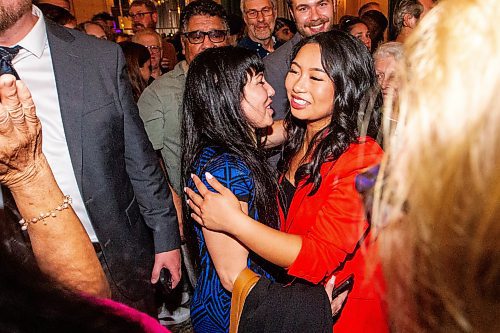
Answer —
(34, 66)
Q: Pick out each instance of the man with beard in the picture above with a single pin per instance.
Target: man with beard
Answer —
(260, 18)
(144, 15)
(311, 17)
(97, 148)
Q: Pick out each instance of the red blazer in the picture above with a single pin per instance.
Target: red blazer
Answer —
(332, 223)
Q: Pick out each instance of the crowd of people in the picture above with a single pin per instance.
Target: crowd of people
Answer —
(346, 175)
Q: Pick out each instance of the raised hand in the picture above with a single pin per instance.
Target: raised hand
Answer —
(214, 210)
(20, 134)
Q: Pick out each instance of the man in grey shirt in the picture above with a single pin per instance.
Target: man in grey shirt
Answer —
(203, 25)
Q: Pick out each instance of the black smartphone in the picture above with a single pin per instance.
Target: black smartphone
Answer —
(345, 285)
(165, 282)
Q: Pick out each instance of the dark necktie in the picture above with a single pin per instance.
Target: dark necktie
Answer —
(6, 56)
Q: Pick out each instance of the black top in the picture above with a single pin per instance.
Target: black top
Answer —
(287, 190)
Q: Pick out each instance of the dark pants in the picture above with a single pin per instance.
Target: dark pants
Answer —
(146, 304)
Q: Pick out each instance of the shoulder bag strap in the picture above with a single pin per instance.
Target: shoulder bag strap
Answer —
(242, 286)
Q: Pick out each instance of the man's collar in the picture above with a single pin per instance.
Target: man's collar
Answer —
(36, 39)
(296, 38)
(183, 66)
(249, 41)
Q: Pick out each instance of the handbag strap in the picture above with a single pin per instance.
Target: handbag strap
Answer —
(242, 286)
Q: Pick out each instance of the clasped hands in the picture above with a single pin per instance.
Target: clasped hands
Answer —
(21, 155)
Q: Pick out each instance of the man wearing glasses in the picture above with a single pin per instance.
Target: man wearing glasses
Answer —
(145, 16)
(203, 24)
(152, 41)
(260, 18)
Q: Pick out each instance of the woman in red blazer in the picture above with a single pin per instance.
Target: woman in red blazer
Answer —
(331, 87)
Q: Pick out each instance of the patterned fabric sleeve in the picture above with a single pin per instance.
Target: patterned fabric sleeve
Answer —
(232, 173)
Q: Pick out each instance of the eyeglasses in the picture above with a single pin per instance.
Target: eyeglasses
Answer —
(266, 11)
(197, 37)
(153, 48)
(139, 15)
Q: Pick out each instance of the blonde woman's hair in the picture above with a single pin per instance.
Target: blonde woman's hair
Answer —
(438, 217)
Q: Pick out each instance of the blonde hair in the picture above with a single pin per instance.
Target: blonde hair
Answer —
(438, 215)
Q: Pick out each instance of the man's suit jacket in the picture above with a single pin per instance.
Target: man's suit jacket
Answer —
(277, 66)
(122, 185)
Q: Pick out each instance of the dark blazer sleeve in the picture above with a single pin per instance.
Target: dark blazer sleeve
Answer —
(277, 65)
(149, 184)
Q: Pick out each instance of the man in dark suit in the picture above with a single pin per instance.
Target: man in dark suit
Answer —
(310, 17)
(96, 145)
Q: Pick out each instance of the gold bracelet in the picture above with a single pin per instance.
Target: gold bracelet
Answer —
(43, 215)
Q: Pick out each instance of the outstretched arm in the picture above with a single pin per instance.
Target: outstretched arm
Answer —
(60, 244)
(221, 212)
(228, 255)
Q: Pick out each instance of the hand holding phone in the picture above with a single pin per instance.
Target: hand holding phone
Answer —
(165, 282)
(339, 296)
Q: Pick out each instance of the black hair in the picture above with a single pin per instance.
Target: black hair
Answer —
(202, 7)
(136, 55)
(102, 16)
(147, 3)
(281, 22)
(236, 24)
(347, 22)
(212, 116)
(57, 14)
(362, 9)
(377, 24)
(356, 105)
(32, 302)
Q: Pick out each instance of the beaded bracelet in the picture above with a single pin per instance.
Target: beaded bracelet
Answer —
(65, 205)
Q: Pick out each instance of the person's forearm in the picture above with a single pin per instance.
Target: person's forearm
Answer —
(178, 208)
(175, 197)
(60, 244)
(275, 246)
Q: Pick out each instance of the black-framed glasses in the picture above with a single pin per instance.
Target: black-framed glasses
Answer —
(139, 15)
(266, 11)
(197, 37)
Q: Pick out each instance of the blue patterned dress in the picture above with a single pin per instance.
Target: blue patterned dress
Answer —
(211, 303)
